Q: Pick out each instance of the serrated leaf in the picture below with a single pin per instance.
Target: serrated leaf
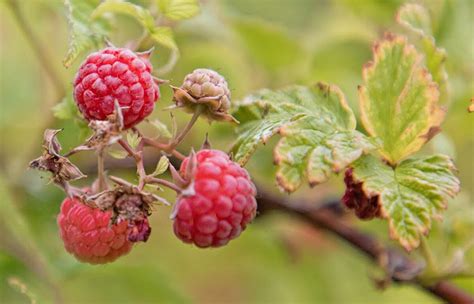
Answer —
(178, 9)
(84, 33)
(133, 139)
(162, 166)
(161, 34)
(417, 19)
(161, 128)
(164, 36)
(118, 154)
(142, 15)
(399, 101)
(317, 128)
(411, 194)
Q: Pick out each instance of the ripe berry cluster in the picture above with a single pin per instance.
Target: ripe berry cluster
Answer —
(114, 90)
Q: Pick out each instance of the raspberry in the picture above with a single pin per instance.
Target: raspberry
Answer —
(222, 205)
(87, 235)
(115, 73)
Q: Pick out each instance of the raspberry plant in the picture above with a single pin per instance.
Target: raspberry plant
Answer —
(403, 100)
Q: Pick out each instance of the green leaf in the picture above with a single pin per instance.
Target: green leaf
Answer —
(66, 109)
(164, 36)
(84, 33)
(133, 139)
(161, 34)
(118, 154)
(416, 18)
(161, 128)
(142, 15)
(162, 166)
(399, 101)
(317, 128)
(411, 194)
(179, 9)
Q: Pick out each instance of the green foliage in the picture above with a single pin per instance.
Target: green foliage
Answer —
(317, 128)
(161, 166)
(399, 102)
(178, 9)
(411, 194)
(161, 128)
(84, 32)
(417, 19)
(162, 35)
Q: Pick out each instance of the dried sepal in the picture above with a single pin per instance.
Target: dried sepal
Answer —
(51, 160)
(105, 132)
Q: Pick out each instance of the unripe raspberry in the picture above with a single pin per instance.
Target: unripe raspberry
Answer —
(222, 205)
(206, 88)
(87, 234)
(116, 74)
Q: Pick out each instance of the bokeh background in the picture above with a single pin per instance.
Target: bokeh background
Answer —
(254, 44)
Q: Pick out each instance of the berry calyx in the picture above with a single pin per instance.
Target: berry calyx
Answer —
(88, 235)
(221, 204)
(116, 74)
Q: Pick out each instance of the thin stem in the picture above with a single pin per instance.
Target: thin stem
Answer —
(38, 48)
(101, 170)
(428, 255)
(179, 138)
(163, 182)
(163, 147)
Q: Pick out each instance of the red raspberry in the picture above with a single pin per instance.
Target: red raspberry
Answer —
(115, 73)
(87, 235)
(223, 203)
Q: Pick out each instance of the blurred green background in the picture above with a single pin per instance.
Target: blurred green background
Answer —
(254, 44)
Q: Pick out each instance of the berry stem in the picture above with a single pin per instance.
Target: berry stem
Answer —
(159, 181)
(164, 147)
(101, 170)
(179, 138)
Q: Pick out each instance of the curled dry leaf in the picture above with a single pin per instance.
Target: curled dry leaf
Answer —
(105, 132)
(61, 168)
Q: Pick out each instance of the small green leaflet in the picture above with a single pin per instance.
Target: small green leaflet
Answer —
(399, 101)
(161, 128)
(133, 139)
(178, 9)
(162, 166)
(317, 128)
(84, 33)
(118, 154)
(417, 19)
(411, 194)
(161, 34)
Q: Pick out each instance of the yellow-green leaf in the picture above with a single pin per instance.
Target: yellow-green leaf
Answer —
(416, 18)
(142, 15)
(133, 139)
(84, 33)
(162, 166)
(164, 36)
(411, 194)
(399, 101)
(179, 9)
(118, 154)
(317, 128)
(161, 128)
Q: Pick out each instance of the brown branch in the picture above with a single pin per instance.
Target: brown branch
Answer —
(400, 268)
